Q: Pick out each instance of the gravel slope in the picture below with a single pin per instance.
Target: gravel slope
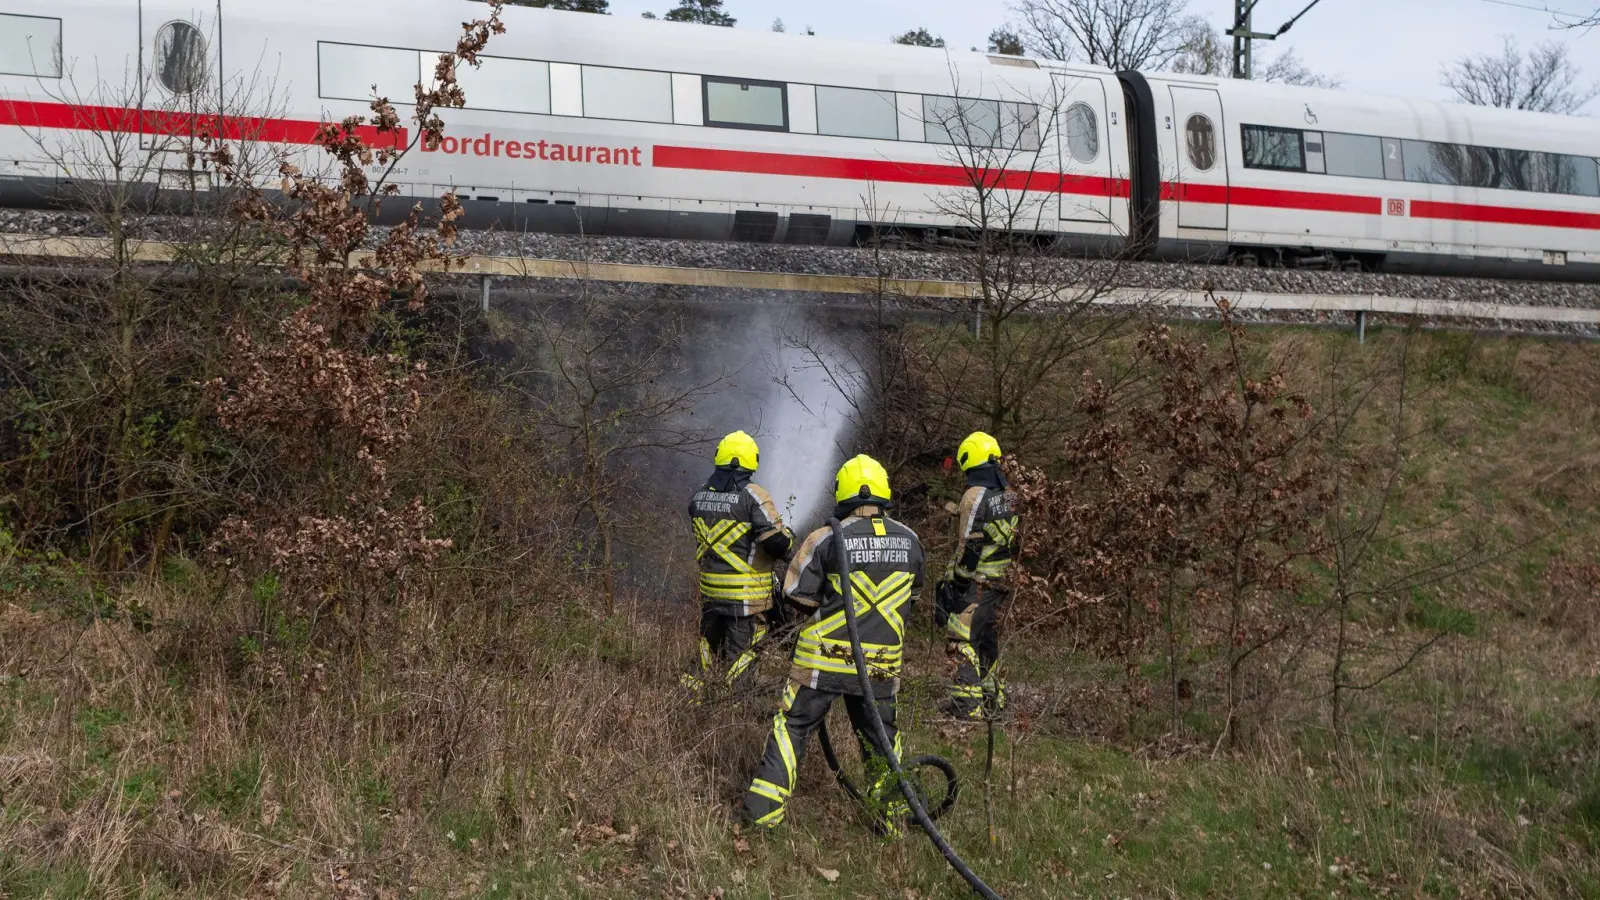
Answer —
(920, 264)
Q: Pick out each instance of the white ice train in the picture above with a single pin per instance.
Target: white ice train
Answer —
(620, 126)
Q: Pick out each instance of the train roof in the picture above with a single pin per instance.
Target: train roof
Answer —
(753, 53)
(560, 36)
(1487, 124)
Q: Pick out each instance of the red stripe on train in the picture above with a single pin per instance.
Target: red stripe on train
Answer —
(29, 114)
(1504, 215)
(1271, 197)
(851, 169)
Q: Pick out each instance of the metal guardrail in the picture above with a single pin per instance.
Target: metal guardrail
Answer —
(89, 248)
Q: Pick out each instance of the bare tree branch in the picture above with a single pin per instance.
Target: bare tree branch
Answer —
(1286, 68)
(1568, 21)
(1120, 34)
(1543, 80)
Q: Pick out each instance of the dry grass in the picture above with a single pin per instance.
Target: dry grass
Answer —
(374, 767)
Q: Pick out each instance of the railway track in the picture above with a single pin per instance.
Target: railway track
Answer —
(489, 269)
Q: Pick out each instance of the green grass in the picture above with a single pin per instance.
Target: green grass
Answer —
(1428, 614)
(25, 882)
(231, 789)
(466, 826)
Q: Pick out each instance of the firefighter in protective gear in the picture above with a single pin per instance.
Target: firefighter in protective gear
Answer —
(972, 596)
(739, 535)
(885, 561)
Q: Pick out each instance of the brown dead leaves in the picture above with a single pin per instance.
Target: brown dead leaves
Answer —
(1174, 525)
(593, 835)
(320, 399)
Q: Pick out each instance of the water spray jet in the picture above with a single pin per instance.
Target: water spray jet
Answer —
(805, 423)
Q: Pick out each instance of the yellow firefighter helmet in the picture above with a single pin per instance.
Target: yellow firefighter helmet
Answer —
(739, 449)
(977, 449)
(862, 477)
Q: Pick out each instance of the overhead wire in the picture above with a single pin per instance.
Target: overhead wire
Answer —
(1541, 8)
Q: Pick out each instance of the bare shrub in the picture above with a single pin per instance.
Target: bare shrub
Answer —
(610, 386)
(1228, 533)
(324, 406)
(1182, 522)
(1038, 314)
(105, 435)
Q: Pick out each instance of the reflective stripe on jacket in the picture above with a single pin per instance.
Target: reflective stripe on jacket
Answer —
(986, 537)
(886, 561)
(729, 529)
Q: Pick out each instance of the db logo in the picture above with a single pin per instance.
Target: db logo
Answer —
(1397, 207)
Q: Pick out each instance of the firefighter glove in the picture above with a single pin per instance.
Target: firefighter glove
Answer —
(947, 599)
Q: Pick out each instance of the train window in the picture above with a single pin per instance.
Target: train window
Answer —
(630, 94)
(350, 71)
(1200, 141)
(1460, 165)
(1274, 148)
(30, 45)
(1314, 154)
(847, 112)
(1511, 169)
(761, 105)
(1557, 174)
(1019, 127)
(506, 85)
(1586, 175)
(1466, 166)
(1543, 172)
(1082, 132)
(966, 121)
(1393, 168)
(1517, 170)
(1478, 167)
(1352, 155)
(180, 58)
(1431, 163)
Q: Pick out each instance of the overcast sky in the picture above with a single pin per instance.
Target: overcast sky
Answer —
(1384, 46)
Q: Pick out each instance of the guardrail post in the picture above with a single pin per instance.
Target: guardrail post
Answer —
(1361, 321)
(483, 292)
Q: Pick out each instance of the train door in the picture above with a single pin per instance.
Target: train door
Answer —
(1199, 137)
(1084, 144)
(180, 70)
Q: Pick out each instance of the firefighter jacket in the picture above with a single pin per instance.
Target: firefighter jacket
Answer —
(885, 560)
(739, 534)
(987, 535)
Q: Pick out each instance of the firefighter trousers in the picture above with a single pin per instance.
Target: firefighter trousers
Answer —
(729, 647)
(800, 713)
(973, 647)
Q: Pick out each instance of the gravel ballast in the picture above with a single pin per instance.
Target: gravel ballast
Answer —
(915, 264)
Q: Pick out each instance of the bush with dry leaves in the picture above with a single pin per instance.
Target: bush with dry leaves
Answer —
(320, 398)
(1174, 530)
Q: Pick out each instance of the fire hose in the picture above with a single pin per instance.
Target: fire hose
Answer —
(952, 784)
(918, 810)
